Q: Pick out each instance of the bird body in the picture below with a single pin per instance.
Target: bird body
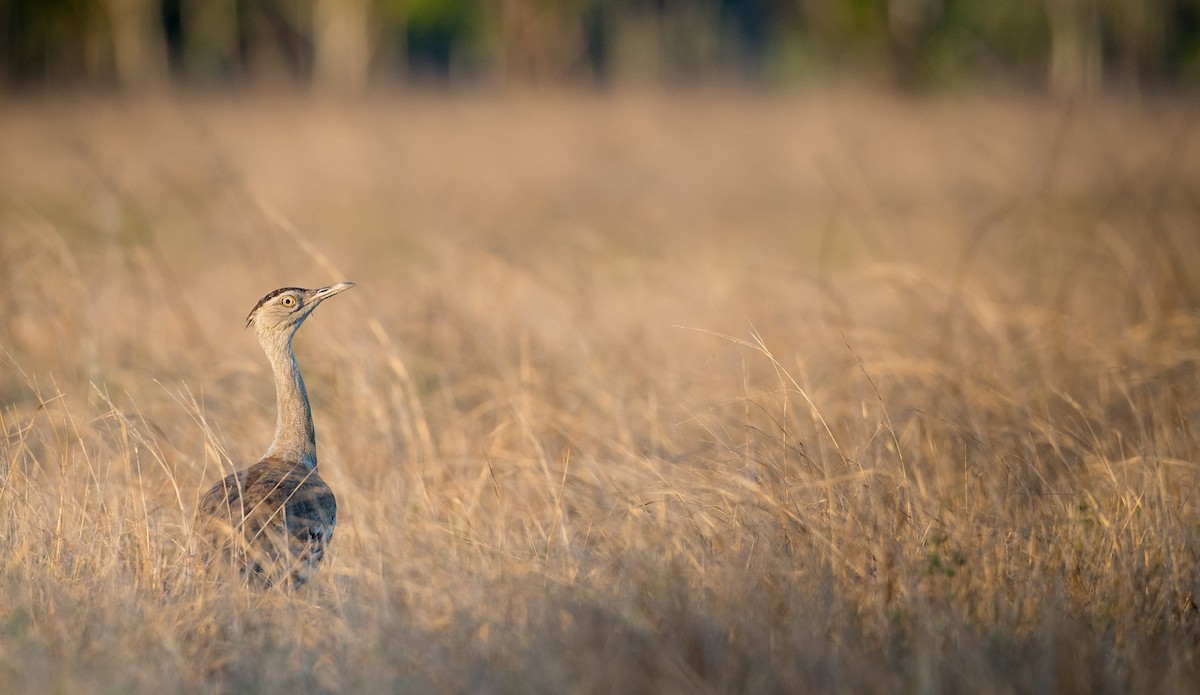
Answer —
(278, 516)
(275, 519)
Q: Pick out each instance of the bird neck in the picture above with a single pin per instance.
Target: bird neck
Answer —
(295, 438)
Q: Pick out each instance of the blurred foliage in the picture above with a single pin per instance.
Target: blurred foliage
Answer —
(1065, 45)
(437, 32)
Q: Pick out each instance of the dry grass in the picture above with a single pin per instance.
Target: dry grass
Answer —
(639, 393)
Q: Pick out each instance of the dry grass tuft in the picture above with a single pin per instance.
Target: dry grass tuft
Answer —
(636, 393)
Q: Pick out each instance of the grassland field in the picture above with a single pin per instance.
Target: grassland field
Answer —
(674, 392)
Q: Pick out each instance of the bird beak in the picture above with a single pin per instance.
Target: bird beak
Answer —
(327, 292)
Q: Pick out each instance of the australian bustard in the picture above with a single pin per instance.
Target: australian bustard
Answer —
(275, 519)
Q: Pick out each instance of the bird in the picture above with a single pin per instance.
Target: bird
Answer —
(274, 520)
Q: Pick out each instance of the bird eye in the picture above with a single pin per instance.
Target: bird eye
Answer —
(288, 301)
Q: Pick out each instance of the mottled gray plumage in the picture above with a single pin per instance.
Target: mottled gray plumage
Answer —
(275, 519)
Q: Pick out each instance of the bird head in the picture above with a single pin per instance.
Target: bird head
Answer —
(281, 312)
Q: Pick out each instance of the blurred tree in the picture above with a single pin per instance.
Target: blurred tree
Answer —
(1182, 52)
(51, 41)
(1076, 65)
(139, 46)
(910, 27)
(527, 39)
(851, 33)
(340, 45)
(1071, 46)
(685, 40)
(276, 39)
(1152, 41)
(439, 37)
(598, 27)
(955, 41)
(202, 39)
(746, 26)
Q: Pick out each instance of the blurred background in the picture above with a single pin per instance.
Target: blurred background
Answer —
(698, 346)
(1063, 46)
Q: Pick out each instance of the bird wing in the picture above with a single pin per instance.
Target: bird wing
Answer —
(272, 493)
